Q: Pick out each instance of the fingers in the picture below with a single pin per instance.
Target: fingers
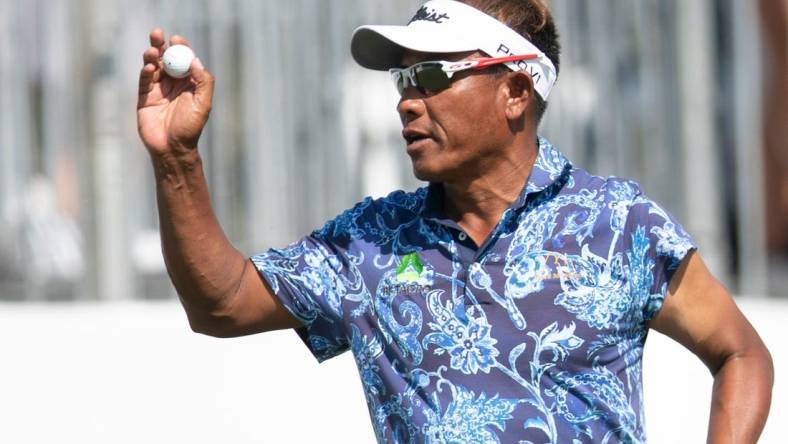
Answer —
(198, 71)
(179, 40)
(201, 77)
(157, 39)
(204, 84)
(146, 79)
(150, 56)
(150, 70)
(152, 74)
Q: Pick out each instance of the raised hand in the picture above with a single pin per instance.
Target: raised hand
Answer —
(171, 113)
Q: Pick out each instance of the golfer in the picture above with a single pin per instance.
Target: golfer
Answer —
(508, 300)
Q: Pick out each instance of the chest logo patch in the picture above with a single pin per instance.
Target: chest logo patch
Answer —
(410, 269)
(411, 276)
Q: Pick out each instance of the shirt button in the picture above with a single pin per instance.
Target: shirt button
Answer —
(463, 236)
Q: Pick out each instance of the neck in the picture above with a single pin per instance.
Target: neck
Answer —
(478, 202)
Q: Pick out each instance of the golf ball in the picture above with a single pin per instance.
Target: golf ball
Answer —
(177, 59)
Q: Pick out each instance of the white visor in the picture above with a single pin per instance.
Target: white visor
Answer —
(445, 26)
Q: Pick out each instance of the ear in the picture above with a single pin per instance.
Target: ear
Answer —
(519, 93)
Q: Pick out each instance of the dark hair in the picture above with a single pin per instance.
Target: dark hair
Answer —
(533, 20)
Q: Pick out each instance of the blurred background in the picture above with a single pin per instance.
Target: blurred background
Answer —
(689, 98)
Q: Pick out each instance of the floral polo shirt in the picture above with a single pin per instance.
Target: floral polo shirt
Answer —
(535, 336)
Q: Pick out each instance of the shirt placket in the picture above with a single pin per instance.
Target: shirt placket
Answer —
(472, 259)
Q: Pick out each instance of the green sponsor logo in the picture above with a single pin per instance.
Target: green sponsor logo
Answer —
(410, 269)
(412, 277)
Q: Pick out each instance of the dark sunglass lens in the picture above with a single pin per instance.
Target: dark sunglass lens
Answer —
(433, 78)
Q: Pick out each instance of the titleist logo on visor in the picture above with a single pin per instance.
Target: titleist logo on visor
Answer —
(424, 14)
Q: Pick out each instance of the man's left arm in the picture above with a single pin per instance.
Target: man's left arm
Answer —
(699, 313)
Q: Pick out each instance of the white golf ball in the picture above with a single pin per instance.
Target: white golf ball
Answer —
(177, 59)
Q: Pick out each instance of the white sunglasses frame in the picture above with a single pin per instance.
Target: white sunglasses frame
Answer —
(408, 74)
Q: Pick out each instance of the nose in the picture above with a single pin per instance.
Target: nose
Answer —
(410, 105)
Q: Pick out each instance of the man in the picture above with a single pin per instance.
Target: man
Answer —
(510, 300)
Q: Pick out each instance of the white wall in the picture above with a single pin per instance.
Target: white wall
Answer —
(132, 372)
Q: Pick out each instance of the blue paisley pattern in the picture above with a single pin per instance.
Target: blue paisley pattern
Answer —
(468, 418)
(469, 343)
(535, 336)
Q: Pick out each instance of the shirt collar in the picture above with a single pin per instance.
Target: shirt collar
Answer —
(549, 166)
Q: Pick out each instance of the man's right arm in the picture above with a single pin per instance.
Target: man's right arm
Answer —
(220, 289)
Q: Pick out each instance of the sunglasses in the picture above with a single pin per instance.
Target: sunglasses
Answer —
(433, 76)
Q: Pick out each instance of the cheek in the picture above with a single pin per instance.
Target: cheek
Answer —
(476, 122)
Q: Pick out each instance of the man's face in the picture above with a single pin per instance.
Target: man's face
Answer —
(452, 134)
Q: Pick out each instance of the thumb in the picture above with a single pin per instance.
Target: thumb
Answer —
(203, 81)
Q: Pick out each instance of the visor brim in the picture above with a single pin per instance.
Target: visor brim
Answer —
(381, 47)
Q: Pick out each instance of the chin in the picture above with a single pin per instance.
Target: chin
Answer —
(424, 173)
(421, 175)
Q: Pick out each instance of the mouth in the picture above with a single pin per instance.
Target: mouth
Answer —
(414, 139)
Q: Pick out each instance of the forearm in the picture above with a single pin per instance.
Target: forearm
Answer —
(740, 399)
(203, 266)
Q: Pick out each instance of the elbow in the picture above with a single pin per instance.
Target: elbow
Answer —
(755, 361)
(216, 323)
(761, 381)
(768, 367)
(211, 322)
(762, 360)
(210, 326)
(201, 325)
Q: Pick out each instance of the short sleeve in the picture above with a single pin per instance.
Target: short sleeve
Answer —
(659, 244)
(308, 279)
